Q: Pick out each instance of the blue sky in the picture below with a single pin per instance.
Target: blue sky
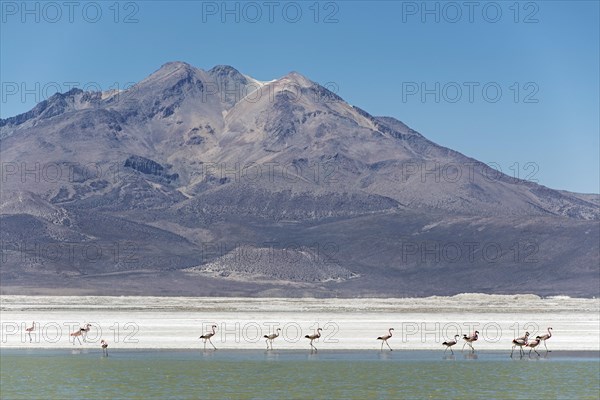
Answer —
(508, 85)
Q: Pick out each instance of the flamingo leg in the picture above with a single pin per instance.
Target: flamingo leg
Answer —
(388, 345)
(381, 345)
(212, 344)
(512, 351)
(451, 352)
(547, 351)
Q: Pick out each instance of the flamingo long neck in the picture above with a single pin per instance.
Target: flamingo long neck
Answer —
(390, 332)
(213, 329)
(549, 332)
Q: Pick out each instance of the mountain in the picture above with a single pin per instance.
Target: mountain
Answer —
(197, 182)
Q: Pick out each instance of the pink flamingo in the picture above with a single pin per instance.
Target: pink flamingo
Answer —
(312, 337)
(385, 338)
(546, 337)
(208, 335)
(469, 340)
(520, 342)
(104, 345)
(29, 330)
(271, 337)
(533, 344)
(81, 332)
(450, 343)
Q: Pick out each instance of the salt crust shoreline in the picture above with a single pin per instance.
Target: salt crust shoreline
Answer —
(348, 324)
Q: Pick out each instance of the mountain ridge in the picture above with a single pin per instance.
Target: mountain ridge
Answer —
(188, 158)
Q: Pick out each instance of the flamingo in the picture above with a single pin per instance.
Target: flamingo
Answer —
(85, 330)
(208, 335)
(29, 330)
(520, 342)
(104, 345)
(312, 337)
(450, 343)
(81, 332)
(533, 344)
(271, 337)
(76, 334)
(546, 337)
(385, 338)
(469, 340)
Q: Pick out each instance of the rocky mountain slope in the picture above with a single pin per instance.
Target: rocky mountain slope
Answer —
(211, 182)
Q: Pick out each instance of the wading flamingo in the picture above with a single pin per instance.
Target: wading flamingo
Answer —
(81, 332)
(104, 345)
(450, 343)
(29, 330)
(312, 337)
(207, 337)
(520, 342)
(533, 344)
(85, 330)
(469, 340)
(545, 337)
(271, 337)
(385, 338)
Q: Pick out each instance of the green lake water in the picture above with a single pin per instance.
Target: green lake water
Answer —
(154, 374)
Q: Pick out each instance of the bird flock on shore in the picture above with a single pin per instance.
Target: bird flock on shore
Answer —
(519, 342)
